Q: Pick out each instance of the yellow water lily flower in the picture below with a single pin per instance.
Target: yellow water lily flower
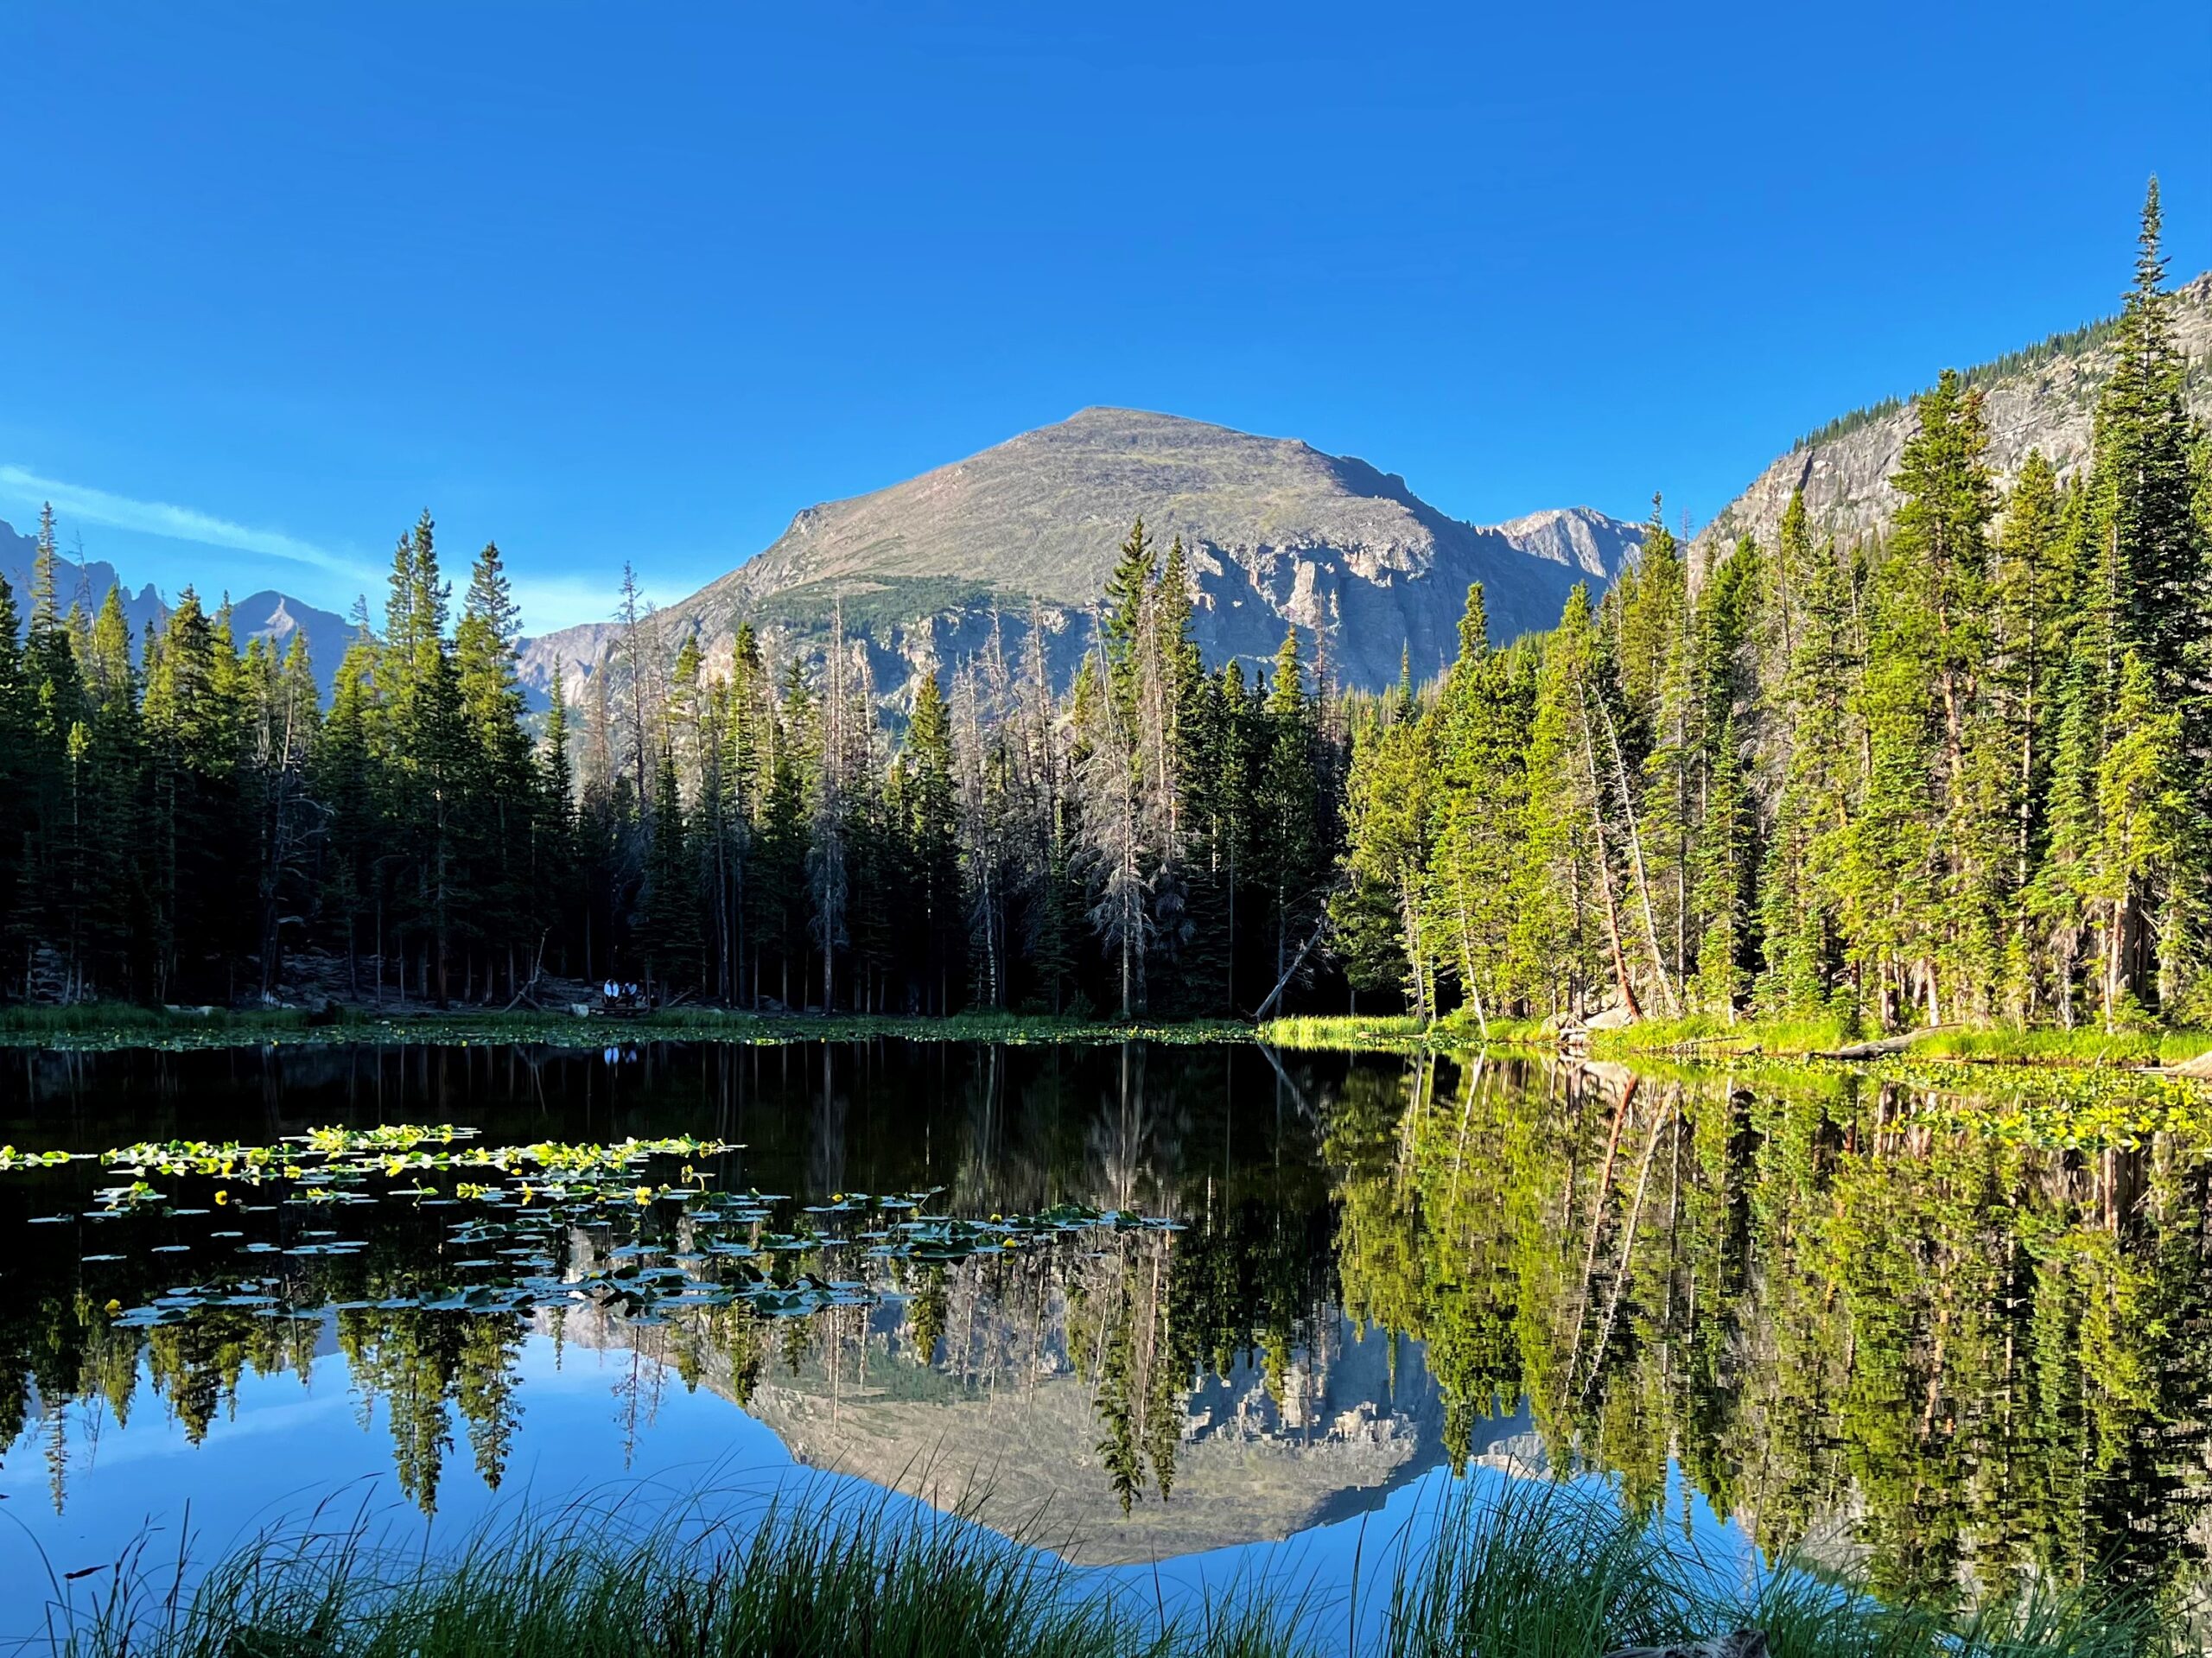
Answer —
(113, 1307)
(644, 1194)
(223, 1197)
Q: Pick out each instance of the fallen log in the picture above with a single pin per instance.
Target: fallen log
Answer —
(1290, 972)
(1877, 1049)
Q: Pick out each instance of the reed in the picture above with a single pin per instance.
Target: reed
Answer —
(1530, 1569)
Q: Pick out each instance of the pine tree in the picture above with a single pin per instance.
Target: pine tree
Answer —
(2141, 806)
(1293, 852)
(1115, 830)
(668, 932)
(2144, 487)
(553, 837)
(346, 784)
(1565, 876)
(1129, 596)
(192, 719)
(430, 759)
(18, 922)
(1387, 858)
(498, 807)
(113, 772)
(933, 827)
(1810, 719)
(1482, 716)
(1924, 859)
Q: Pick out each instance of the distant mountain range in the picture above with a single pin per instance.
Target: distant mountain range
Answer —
(267, 614)
(1277, 533)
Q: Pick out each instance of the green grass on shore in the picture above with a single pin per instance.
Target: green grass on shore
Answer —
(1704, 1032)
(1540, 1570)
(2009, 1044)
(1701, 1034)
(1398, 1032)
(112, 1025)
(1697, 1039)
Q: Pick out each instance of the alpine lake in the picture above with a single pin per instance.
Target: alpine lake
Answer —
(1187, 1313)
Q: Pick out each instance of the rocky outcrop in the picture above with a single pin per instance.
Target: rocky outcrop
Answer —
(2043, 399)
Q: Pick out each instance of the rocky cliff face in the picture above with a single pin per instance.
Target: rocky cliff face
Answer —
(1277, 532)
(2045, 400)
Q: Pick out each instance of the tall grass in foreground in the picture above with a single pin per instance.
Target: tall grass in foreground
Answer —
(1539, 1571)
(856, 1576)
(1555, 1570)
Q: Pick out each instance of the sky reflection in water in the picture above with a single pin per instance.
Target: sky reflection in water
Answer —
(1860, 1323)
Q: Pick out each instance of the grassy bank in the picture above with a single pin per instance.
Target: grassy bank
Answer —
(2009, 1044)
(114, 1025)
(108, 1025)
(2078, 1047)
(1400, 1032)
(1540, 1570)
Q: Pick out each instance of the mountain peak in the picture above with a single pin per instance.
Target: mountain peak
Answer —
(266, 613)
(1278, 533)
(1112, 417)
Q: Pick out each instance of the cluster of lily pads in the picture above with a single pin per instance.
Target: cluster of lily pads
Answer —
(547, 1225)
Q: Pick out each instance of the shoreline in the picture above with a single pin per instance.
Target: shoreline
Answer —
(1704, 1044)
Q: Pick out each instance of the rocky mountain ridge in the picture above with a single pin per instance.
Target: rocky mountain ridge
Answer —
(2042, 398)
(1025, 533)
(265, 615)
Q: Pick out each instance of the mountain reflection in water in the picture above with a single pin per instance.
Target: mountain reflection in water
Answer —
(1840, 1315)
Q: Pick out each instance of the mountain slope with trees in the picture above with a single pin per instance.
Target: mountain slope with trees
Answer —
(2042, 399)
(1957, 770)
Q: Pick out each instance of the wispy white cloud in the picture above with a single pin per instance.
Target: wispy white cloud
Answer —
(550, 602)
(88, 505)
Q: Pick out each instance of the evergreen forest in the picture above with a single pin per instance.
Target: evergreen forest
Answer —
(1959, 772)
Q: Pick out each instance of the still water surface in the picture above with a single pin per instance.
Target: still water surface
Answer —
(1216, 1308)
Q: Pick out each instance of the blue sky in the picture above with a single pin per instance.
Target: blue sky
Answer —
(639, 283)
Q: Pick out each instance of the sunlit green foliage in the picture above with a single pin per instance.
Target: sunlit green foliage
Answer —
(1957, 775)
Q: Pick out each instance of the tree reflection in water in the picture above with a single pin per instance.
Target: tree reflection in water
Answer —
(1854, 1321)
